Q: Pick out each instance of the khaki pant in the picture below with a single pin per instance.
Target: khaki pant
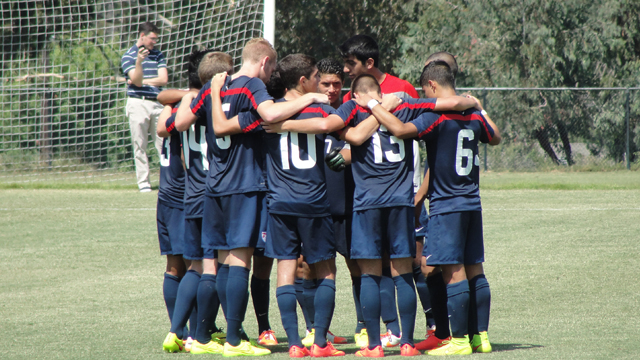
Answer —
(143, 118)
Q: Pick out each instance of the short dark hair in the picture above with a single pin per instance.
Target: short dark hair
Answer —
(364, 83)
(438, 71)
(147, 27)
(193, 61)
(331, 66)
(214, 63)
(275, 86)
(446, 57)
(363, 47)
(292, 67)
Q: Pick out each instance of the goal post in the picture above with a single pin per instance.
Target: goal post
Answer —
(63, 91)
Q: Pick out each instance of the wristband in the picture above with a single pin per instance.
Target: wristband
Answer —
(483, 112)
(372, 103)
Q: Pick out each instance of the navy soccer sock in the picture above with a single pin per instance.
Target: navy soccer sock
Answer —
(237, 286)
(356, 283)
(479, 304)
(325, 301)
(309, 295)
(185, 302)
(370, 300)
(458, 305)
(389, 313)
(286, 296)
(193, 320)
(423, 294)
(208, 304)
(170, 292)
(438, 295)
(260, 297)
(221, 286)
(300, 297)
(407, 303)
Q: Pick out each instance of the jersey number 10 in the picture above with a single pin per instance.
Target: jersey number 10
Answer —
(297, 162)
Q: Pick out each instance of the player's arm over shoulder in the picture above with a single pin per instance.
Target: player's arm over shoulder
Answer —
(271, 111)
(455, 103)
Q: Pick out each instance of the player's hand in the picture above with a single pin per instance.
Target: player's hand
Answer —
(478, 102)
(362, 99)
(335, 160)
(218, 81)
(317, 98)
(390, 102)
(272, 128)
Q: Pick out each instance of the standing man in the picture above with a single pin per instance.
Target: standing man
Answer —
(146, 69)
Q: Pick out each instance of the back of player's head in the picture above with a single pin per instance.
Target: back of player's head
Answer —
(292, 67)
(330, 66)
(256, 49)
(446, 57)
(147, 27)
(193, 61)
(364, 83)
(363, 47)
(438, 71)
(214, 63)
(275, 86)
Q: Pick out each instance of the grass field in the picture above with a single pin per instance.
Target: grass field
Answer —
(82, 275)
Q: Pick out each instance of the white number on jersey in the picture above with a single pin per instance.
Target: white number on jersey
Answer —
(189, 137)
(389, 154)
(165, 158)
(298, 163)
(462, 153)
(224, 142)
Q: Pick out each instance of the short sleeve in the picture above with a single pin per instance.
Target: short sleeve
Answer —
(249, 121)
(128, 62)
(162, 61)
(486, 131)
(198, 104)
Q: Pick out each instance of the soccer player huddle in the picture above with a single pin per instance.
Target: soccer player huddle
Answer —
(271, 163)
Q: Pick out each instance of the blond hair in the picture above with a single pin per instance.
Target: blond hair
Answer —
(257, 49)
(214, 63)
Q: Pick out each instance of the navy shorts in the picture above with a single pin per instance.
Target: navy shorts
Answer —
(193, 239)
(170, 222)
(455, 238)
(232, 221)
(424, 220)
(389, 229)
(262, 235)
(342, 234)
(289, 236)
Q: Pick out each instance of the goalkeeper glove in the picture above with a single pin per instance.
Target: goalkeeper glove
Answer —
(334, 160)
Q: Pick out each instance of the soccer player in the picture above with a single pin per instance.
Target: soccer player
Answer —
(235, 202)
(196, 287)
(455, 241)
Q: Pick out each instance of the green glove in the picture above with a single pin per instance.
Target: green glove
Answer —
(334, 160)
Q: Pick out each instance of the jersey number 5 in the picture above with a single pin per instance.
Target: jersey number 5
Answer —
(298, 163)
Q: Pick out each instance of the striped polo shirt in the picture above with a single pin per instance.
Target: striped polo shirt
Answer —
(150, 67)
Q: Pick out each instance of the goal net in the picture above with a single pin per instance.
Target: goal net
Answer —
(63, 91)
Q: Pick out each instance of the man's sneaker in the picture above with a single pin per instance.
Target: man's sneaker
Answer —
(298, 352)
(145, 189)
(267, 338)
(362, 339)
(366, 352)
(327, 351)
(245, 348)
(211, 347)
(220, 337)
(431, 342)
(187, 344)
(454, 346)
(335, 339)
(408, 350)
(172, 344)
(480, 343)
(310, 338)
(389, 340)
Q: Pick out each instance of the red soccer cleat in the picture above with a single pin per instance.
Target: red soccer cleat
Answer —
(377, 352)
(327, 351)
(297, 352)
(408, 350)
(431, 342)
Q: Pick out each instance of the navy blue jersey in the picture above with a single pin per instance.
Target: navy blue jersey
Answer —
(171, 191)
(194, 146)
(383, 165)
(150, 66)
(295, 169)
(236, 161)
(452, 154)
(340, 185)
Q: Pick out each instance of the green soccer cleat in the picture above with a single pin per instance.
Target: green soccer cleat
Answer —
(220, 337)
(211, 347)
(361, 339)
(172, 343)
(310, 338)
(245, 348)
(480, 343)
(455, 346)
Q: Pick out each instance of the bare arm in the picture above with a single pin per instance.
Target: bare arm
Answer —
(346, 155)
(308, 126)
(418, 200)
(360, 133)
(273, 112)
(455, 103)
(171, 96)
(221, 125)
(390, 121)
(160, 80)
(161, 129)
(136, 74)
(185, 117)
(496, 132)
